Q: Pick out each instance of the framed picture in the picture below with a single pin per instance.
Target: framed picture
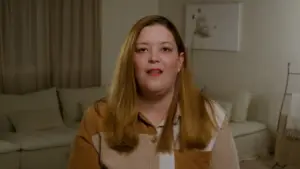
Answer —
(213, 26)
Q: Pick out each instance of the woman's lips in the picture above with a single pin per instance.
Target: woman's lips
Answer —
(154, 72)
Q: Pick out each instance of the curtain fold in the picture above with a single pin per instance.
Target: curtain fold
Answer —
(49, 43)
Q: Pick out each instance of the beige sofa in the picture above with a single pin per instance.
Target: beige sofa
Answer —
(36, 129)
(252, 137)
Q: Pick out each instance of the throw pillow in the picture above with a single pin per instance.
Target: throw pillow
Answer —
(70, 99)
(227, 106)
(34, 120)
(240, 108)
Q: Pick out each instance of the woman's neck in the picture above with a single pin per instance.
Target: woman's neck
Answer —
(155, 110)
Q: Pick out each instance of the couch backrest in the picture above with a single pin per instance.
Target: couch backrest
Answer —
(40, 100)
(75, 101)
(236, 104)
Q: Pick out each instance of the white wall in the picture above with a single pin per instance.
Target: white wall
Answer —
(270, 40)
(117, 17)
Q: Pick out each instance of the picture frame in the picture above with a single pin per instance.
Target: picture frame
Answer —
(213, 26)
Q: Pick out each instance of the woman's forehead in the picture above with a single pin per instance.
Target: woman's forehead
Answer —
(155, 34)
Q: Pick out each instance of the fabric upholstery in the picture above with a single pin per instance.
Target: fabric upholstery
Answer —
(70, 99)
(7, 147)
(227, 106)
(10, 160)
(43, 99)
(245, 128)
(240, 107)
(33, 120)
(5, 124)
(47, 158)
(253, 145)
(61, 136)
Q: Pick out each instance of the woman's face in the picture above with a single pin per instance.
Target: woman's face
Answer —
(156, 59)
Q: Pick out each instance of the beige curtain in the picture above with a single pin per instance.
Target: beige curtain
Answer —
(47, 43)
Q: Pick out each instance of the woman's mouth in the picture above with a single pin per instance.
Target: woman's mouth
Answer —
(154, 72)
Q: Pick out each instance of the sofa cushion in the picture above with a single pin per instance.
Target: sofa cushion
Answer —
(240, 107)
(71, 99)
(56, 137)
(5, 124)
(32, 120)
(7, 147)
(227, 106)
(31, 101)
(74, 126)
(245, 128)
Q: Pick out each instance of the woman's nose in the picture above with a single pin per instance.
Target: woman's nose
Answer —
(154, 57)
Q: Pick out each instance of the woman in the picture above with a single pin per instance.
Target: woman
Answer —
(154, 117)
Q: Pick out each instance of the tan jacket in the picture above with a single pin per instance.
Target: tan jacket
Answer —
(89, 150)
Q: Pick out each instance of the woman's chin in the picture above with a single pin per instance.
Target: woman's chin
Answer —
(156, 89)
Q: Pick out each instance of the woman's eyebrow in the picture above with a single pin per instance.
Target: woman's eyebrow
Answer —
(142, 43)
(162, 43)
(166, 42)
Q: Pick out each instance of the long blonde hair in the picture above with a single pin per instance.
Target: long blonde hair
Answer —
(196, 124)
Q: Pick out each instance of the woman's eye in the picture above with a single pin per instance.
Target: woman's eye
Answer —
(141, 50)
(166, 49)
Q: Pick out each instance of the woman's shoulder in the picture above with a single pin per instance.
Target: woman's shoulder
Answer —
(97, 109)
(95, 114)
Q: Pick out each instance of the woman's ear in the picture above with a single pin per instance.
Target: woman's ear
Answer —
(180, 61)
